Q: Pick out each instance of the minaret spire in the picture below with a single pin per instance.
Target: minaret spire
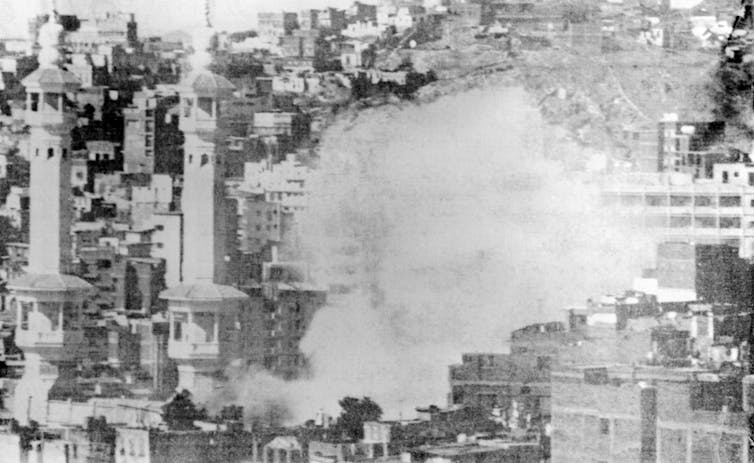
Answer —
(49, 40)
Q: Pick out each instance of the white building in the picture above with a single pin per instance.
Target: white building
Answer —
(285, 183)
(712, 211)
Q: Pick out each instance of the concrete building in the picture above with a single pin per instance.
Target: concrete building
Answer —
(496, 381)
(285, 183)
(719, 210)
(282, 308)
(135, 445)
(203, 314)
(689, 146)
(151, 141)
(48, 302)
(647, 414)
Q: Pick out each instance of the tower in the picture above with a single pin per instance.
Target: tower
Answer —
(203, 314)
(48, 303)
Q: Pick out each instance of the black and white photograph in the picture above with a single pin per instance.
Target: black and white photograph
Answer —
(376, 231)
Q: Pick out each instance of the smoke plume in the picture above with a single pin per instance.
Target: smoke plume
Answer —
(452, 228)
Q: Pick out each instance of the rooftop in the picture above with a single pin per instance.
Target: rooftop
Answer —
(49, 282)
(52, 79)
(202, 291)
(208, 84)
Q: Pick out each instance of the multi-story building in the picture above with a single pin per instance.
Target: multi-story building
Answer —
(283, 305)
(112, 28)
(497, 380)
(647, 414)
(689, 146)
(286, 183)
(676, 208)
(274, 25)
(48, 301)
(308, 19)
(151, 142)
(138, 445)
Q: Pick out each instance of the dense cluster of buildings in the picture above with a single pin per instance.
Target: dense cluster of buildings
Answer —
(152, 195)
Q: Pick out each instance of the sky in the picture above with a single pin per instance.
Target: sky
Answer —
(155, 16)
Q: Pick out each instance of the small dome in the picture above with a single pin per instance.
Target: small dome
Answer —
(203, 292)
(49, 282)
(206, 83)
(52, 79)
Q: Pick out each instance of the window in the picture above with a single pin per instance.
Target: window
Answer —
(705, 222)
(657, 200)
(187, 106)
(751, 178)
(35, 102)
(680, 201)
(177, 330)
(704, 201)
(205, 160)
(65, 153)
(730, 201)
(148, 141)
(730, 222)
(725, 176)
(204, 105)
(604, 426)
(682, 221)
(190, 158)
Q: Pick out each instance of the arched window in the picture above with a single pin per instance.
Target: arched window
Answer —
(205, 159)
(50, 152)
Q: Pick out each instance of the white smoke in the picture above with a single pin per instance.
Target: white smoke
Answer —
(457, 231)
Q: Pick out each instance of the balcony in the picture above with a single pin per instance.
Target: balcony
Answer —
(185, 350)
(51, 344)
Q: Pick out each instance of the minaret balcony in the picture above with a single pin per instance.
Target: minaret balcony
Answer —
(188, 350)
(57, 343)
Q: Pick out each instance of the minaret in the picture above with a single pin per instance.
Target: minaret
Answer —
(48, 302)
(203, 314)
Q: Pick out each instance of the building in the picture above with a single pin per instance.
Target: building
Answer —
(285, 183)
(282, 308)
(112, 28)
(48, 301)
(719, 210)
(138, 445)
(496, 381)
(152, 141)
(689, 146)
(647, 414)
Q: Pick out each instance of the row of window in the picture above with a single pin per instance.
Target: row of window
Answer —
(685, 221)
(204, 159)
(51, 153)
(657, 200)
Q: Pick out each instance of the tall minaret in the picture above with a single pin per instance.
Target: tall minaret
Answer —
(203, 196)
(203, 314)
(48, 302)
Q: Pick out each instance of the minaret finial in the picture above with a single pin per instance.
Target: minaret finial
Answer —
(208, 13)
(49, 39)
(202, 40)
